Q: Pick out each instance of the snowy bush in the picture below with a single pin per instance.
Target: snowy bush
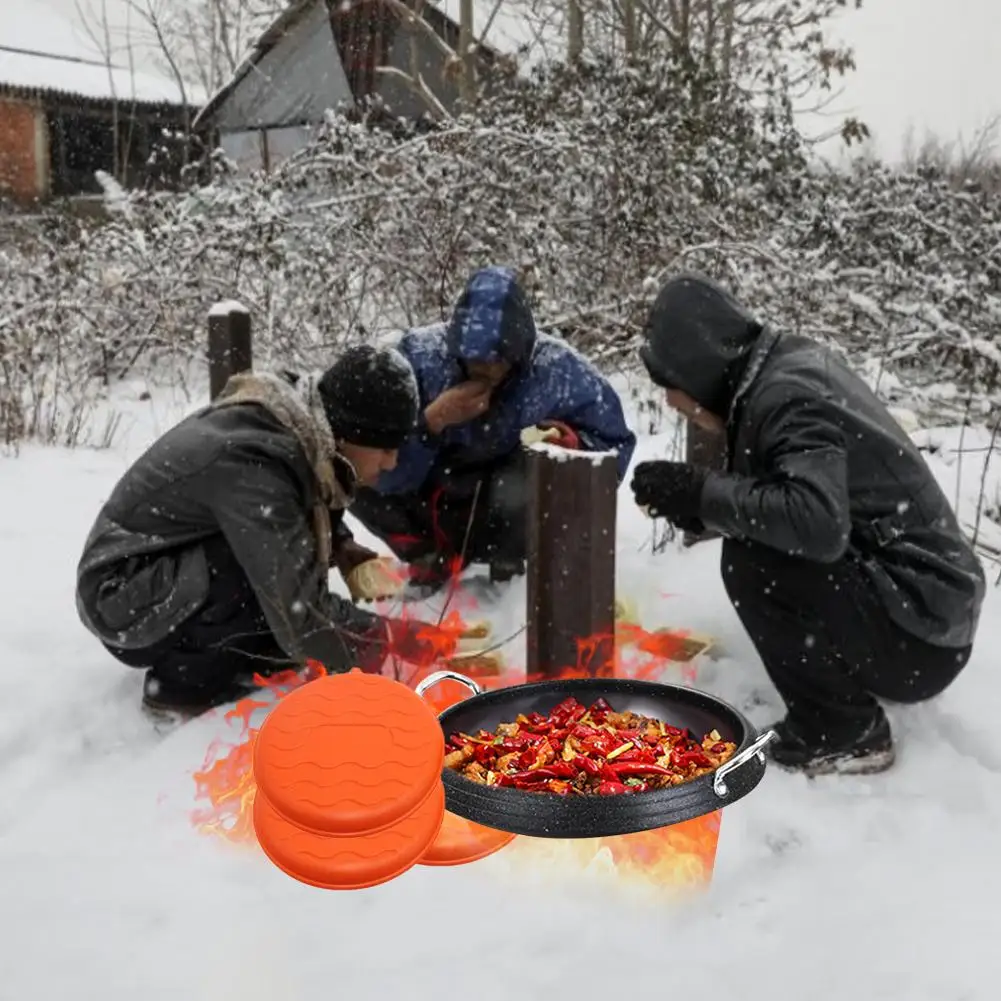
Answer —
(596, 183)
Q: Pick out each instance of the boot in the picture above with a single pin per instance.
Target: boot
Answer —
(168, 697)
(869, 753)
(429, 574)
(502, 570)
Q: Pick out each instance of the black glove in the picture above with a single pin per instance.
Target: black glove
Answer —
(671, 490)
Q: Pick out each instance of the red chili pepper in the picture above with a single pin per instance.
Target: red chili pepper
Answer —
(536, 719)
(485, 753)
(527, 757)
(587, 765)
(582, 732)
(561, 769)
(509, 744)
(559, 787)
(611, 788)
(460, 740)
(636, 754)
(718, 748)
(563, 713)
(541, 728)
(608, 773)
(682, 759)
(598, 710)
(504, 780)
(539, 774)
(635, 786)
(627, 768)
(601, 743)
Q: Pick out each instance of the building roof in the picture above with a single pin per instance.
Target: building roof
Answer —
(43, 53)
(435, 10)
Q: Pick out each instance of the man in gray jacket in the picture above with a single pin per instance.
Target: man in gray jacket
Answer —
(209, 562)
(841, 554)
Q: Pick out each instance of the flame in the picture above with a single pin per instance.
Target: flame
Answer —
(225, 781)
(664, 861)
(679, 856)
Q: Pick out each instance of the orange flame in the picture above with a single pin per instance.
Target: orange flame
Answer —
(682, 855)
(670, 859)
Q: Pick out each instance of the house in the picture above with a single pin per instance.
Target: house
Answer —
(327, 54)
(66, 112)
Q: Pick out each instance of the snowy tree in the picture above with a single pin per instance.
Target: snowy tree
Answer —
(596, 181)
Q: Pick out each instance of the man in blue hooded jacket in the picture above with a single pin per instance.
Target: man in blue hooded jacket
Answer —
(487, 376)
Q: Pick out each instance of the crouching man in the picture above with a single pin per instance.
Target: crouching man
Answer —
(488, 382)
(841, 554)
(210, 560)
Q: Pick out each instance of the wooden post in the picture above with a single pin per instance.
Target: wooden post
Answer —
(229, 344)
(571, 561)
(708, 450)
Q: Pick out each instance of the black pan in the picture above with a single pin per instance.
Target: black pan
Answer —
(542, 815)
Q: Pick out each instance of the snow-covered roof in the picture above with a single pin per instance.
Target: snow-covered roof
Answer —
(506, 33)
(43, 51)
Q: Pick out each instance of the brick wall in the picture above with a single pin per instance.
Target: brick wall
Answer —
(23, 170)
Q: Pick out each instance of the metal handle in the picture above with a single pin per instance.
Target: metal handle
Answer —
(755, 750)
(433, 679)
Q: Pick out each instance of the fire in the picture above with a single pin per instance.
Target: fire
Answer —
(678, 856)
(669, 860)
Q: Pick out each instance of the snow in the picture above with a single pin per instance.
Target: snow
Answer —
(226, 307)
(45, 51)
(883, 889)
(558, 454)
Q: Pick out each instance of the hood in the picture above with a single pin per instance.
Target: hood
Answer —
(698, 339)
(492, 320)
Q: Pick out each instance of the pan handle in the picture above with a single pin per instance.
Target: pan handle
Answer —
(755, 750)
(439, 676)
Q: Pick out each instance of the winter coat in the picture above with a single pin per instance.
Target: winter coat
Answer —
(549, 381)
(817, 467)
(259, 466)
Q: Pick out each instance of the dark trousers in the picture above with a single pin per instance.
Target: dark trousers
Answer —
(438, 518)
(826, 642)
(228, 636)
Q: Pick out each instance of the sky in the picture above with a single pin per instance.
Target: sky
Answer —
(930, 65)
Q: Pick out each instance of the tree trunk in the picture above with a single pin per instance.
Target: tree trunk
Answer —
(575, 27)
(629, 27)
(467, 54)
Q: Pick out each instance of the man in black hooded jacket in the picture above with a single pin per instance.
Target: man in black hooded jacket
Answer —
(841, 553)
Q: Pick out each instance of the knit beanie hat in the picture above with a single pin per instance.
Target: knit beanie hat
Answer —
(370, 397)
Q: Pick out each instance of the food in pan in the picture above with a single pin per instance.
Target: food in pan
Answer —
(587, 751)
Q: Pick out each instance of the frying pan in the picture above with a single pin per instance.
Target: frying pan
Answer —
(541, 815)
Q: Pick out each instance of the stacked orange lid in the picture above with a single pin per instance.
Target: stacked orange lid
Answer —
(349, 791)
(348, 771)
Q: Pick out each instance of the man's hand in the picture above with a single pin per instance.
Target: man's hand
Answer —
(671, 490)
(375, 580)
(350, 554)
(553, 432)
(457, 405)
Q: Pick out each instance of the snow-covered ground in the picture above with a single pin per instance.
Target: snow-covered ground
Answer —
(881, 888)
